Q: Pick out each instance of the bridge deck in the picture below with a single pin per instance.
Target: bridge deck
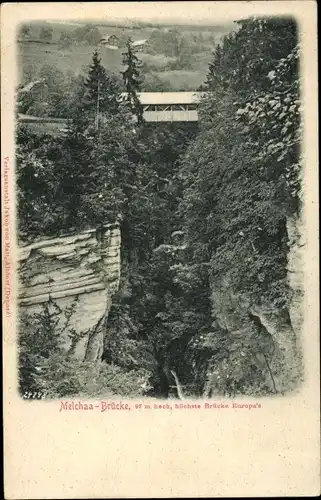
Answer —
(157, 107)
(169, 106)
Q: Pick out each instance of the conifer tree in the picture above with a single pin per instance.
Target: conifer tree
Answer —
(101, 94)
(132, 81)
(214, 68)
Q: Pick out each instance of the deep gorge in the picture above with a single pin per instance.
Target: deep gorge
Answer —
(189, 236)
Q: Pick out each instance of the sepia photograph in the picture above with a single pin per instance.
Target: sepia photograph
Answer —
(158, 171)
(160, 249)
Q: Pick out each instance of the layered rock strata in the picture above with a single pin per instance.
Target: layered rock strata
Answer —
(77, 276)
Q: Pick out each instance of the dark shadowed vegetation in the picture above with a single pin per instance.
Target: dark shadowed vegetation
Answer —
(204, 210)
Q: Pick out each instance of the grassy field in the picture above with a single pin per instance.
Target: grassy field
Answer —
(74, 59)
(183, 79)
(32, 56)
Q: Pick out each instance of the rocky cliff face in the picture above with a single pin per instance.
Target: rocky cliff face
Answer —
(76, 275)
(274, 335)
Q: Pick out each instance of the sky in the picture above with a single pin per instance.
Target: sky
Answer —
(168, 12)
(171, 12)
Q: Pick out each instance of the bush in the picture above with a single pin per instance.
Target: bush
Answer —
(63, 377)
(46, 368)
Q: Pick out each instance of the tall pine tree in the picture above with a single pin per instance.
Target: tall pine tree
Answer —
(214, 69)
(101, 95)
(132, 81)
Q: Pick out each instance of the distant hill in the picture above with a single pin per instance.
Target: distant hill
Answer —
(68, 47)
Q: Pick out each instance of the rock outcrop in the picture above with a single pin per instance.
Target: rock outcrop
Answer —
(76, 275)
(273, 333)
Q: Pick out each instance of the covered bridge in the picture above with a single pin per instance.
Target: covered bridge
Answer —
(169, 106)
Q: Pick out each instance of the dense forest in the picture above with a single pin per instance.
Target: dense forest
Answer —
(204, 210)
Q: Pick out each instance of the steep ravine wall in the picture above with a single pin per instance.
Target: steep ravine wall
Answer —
(77, 272)
(283, 328)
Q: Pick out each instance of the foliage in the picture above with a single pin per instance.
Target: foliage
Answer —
(75, 45)
(132, 81)
(77, 181)
(250, 53)
(203, 211)
(88, 33)
(57, 95)
(46, 33)
(153, 83)
(38, 339)
(180, 45)
(24, 31)
(101, 90)
(275, 123)
(247, 152)
(65, 40)
(46, 368)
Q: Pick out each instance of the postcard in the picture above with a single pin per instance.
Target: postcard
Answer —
(160, 242)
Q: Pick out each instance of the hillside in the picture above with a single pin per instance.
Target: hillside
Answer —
(177, 56)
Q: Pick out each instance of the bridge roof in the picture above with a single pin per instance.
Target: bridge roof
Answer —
(168, 97)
